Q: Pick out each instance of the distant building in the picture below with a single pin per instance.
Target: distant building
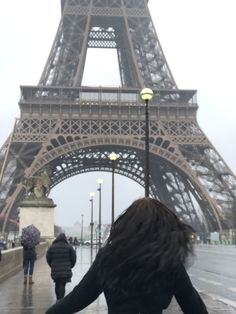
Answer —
(75, 231)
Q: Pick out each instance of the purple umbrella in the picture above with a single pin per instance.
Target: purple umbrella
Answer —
(30, 236)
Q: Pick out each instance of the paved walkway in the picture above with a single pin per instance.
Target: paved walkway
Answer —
(16, 298)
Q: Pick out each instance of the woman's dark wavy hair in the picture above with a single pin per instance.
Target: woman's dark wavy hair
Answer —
(147, 236)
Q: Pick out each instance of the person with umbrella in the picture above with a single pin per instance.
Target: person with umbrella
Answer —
(30, 238)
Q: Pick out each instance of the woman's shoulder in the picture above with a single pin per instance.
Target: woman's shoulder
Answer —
(104, 251)
(103, 258)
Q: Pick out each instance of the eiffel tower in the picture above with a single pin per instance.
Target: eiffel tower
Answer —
(68, 129)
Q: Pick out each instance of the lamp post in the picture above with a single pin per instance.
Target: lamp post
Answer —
(113, 157)
(82, 226)
(146, 95)
(99, 182)
(234, 222)
(92, 194)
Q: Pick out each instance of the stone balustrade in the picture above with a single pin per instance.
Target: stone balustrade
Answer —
(12, 260)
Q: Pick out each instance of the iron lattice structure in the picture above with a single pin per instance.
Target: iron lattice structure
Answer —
(70, 129)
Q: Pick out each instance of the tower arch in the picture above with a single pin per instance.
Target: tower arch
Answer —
(59, 116)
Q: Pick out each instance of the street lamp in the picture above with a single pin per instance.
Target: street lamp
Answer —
(99, 182)
(234, 221)
(113, 157)
(92, 194)
(82, 226)
(146, 95)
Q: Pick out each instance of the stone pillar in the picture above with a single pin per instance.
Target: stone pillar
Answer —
(39, 212)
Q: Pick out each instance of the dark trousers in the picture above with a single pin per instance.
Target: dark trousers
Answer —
(60, 288)
(28, 267)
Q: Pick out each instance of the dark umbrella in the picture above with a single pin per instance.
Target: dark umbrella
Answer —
(30, 236)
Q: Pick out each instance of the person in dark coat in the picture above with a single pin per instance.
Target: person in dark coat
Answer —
(29, 258)
(141, 267)
(61, 257)
(75, 242)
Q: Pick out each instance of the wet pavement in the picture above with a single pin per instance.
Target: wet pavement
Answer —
(16, 298)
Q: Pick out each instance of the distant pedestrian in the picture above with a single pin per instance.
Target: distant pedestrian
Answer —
(70, 240)
(29, 258)
(61, 257)
(141, 267)
(75, 242)
(29, 239)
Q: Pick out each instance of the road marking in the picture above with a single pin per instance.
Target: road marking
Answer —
(211, 281)
(232, 289)
(224, 300)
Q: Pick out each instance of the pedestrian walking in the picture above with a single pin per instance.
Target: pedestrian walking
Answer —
(61, 257)
(29, 258)
(75, 242)
(141, 266)
(70, 240)
(29, 239)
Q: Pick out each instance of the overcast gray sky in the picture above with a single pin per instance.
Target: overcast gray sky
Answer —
(198, 39)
